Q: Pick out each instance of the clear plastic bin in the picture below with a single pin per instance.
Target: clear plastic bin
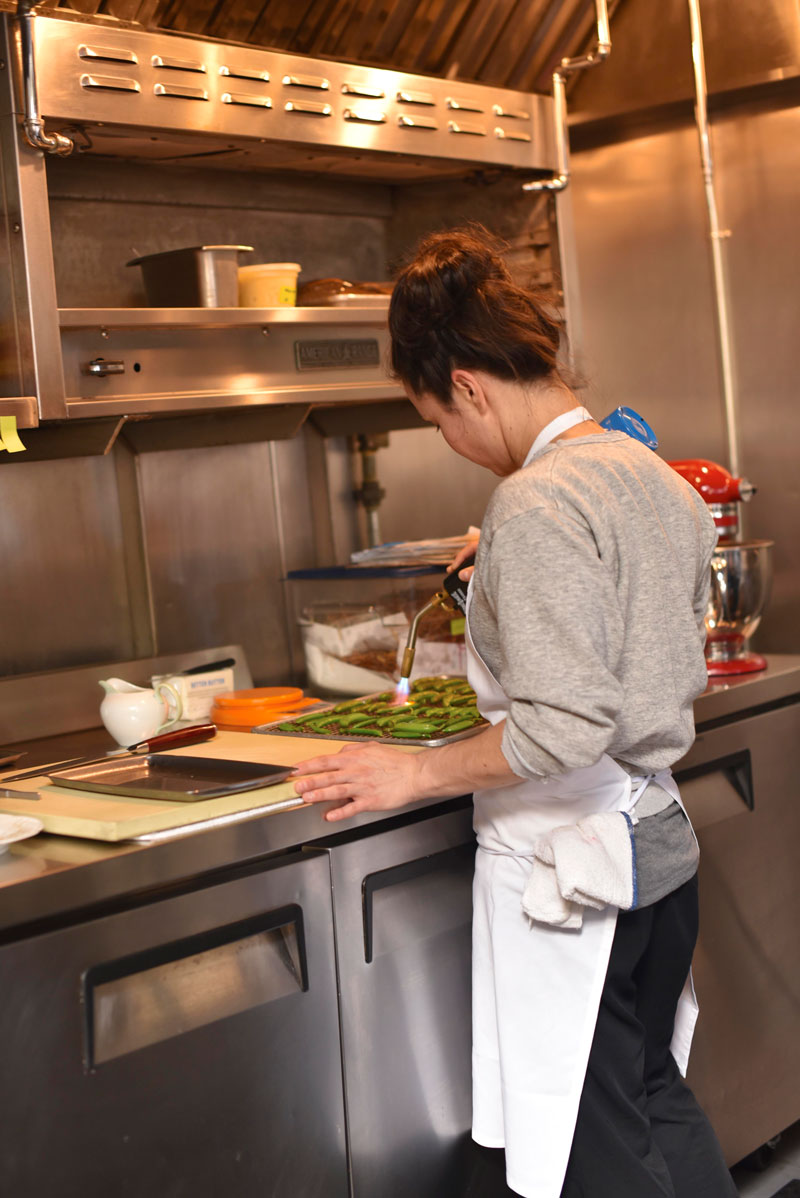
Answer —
(354, 623)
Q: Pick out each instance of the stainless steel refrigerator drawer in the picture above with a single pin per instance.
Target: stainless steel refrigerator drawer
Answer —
(741, 786)
(403, 909)
(187, 1047)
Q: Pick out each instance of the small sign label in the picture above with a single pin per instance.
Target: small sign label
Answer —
(333, 355)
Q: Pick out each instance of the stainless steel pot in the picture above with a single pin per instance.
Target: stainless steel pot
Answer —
(200, 276)
(741, 575)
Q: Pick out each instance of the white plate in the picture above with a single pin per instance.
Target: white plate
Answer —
(17, 827)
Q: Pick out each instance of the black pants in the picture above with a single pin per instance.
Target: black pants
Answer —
(640, 1132)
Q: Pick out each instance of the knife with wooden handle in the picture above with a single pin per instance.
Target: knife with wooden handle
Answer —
(156, 744)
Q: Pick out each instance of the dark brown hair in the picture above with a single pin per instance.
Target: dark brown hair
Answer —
(456, 305)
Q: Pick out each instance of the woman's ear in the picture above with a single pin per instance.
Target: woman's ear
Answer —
(468, 388)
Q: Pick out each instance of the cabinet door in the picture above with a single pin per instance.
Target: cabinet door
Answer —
(741, 787)
(186, 1047)
(403, 911)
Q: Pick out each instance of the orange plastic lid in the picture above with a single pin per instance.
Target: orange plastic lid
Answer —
(260, 696)
(251, 711)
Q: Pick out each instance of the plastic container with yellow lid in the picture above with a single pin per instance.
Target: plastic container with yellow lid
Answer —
(268, 285)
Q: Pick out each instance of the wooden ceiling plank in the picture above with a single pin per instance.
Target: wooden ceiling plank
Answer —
(168, 11)
(418, 29)
(523, 19)
(342, 25)
(523, 33)
(148, 11)
(433, 58)
(557, 43)
(236, 22)
(392, 33)
(318, 16)
(269, 26)
(123, 10)
(88, 7)
(478, 35)
(364, 32)
(193, 16)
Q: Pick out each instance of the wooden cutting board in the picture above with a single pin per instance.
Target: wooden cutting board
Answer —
(67, 812)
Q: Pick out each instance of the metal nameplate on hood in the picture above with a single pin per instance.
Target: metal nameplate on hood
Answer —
(338, 354)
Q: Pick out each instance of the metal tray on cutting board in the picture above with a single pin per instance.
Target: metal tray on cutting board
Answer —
(179, 779)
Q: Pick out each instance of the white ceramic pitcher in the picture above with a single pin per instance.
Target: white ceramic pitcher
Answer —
(134, 713)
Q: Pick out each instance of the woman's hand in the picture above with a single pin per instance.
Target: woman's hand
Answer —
(360, 778)
(469, 550)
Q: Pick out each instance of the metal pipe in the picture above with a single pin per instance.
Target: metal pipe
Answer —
(32, 123)
(561, 178)
(718, 237)
(370, 493)
(569, 66)
(411, 644)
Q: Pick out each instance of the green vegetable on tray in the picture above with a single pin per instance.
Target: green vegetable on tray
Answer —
(435, 708)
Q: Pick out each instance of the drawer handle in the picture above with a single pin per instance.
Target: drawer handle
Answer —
(243, 98)
(463, 105)
(468, 130)
(178, 64)
(110, 83)
(407, 97)
(365, 116)
(308, 107)
(513, 114)
(181, 93)
(416, 122)
(316, 82)
(456, 860)
(244, 73)
(511, 134)
(167, 990)
(107, 54)
(361, 89)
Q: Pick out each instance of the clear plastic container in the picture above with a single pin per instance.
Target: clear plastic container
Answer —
(354, 623)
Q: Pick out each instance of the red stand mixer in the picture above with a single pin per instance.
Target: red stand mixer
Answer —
(741, 571)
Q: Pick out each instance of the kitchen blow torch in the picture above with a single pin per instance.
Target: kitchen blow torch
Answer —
(452, 597)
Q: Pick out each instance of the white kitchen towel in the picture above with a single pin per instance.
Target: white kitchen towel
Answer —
(591, 863)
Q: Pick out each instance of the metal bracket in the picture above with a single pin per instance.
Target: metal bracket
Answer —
(33, 124)
(570, 66)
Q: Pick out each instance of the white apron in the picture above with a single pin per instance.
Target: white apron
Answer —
(536, 989)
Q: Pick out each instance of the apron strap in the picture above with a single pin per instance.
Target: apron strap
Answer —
(555, 428)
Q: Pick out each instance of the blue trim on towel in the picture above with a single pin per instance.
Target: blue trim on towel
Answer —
(635, 900)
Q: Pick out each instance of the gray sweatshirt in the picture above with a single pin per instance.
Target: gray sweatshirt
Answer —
(590, 587)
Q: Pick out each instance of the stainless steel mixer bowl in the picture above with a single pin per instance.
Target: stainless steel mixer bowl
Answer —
(741, 575)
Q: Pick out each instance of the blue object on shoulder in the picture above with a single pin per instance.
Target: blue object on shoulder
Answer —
(625, 420)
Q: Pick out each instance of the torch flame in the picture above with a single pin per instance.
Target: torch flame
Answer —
(402, 691)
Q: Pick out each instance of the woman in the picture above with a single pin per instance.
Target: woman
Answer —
(585, 635)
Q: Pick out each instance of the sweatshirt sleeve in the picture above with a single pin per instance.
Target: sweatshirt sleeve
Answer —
(707, 536)
(561, 633)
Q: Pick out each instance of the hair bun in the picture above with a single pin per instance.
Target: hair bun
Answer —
(455, 304)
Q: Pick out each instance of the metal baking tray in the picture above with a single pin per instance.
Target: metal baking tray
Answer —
(179, 779)
(273, 729)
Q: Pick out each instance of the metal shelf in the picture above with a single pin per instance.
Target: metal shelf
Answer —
(24, 407)
(217, 318)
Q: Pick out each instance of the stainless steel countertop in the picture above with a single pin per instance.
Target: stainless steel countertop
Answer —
(59, 878)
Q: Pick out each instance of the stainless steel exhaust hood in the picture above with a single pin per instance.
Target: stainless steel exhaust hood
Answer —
(141, 94)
